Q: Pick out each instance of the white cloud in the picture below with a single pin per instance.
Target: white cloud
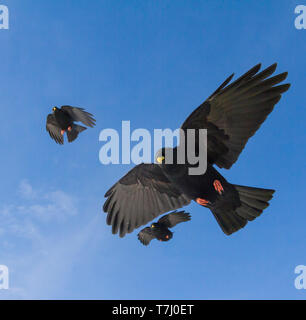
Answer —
(37, 205)
(52, 272)
(37, 241)
(26, 190)
(53, 205)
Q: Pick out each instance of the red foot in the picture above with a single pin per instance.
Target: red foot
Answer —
(62, 132)
(218, 186)
(202, 202)
(167, 237)
(69, 128)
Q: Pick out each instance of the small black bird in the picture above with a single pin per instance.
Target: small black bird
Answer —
(62, 120)
(231, 115)
(160, 230)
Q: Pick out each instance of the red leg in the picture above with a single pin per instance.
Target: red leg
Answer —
(202, 202)
(69, 128)
(218, 186)
(62, 132)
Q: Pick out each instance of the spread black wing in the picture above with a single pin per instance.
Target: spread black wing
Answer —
(141, 195)
(54, 129)
(172, 219)
(78, 114)
(234, 112)
(146, 235)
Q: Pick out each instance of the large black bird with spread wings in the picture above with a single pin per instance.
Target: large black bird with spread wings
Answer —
(160, 229)
(231, 115)
(62, 120)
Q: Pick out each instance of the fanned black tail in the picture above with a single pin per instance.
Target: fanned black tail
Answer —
(253, 202)
(75, 130)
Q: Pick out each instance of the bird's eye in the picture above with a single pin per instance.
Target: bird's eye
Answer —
(160, 159)
(54, 108)
(152, 226)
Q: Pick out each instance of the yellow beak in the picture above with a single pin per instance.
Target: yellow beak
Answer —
(160, 159)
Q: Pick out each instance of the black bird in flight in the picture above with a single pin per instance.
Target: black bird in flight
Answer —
(160, 230)
(62, 120)
(231, 115)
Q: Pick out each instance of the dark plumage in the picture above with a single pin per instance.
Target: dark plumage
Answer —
(231, 115)
(62, 120)
(160, 230)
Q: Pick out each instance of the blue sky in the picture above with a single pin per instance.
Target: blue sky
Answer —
(150, 62)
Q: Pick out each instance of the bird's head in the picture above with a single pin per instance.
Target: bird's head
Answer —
(54, 109)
